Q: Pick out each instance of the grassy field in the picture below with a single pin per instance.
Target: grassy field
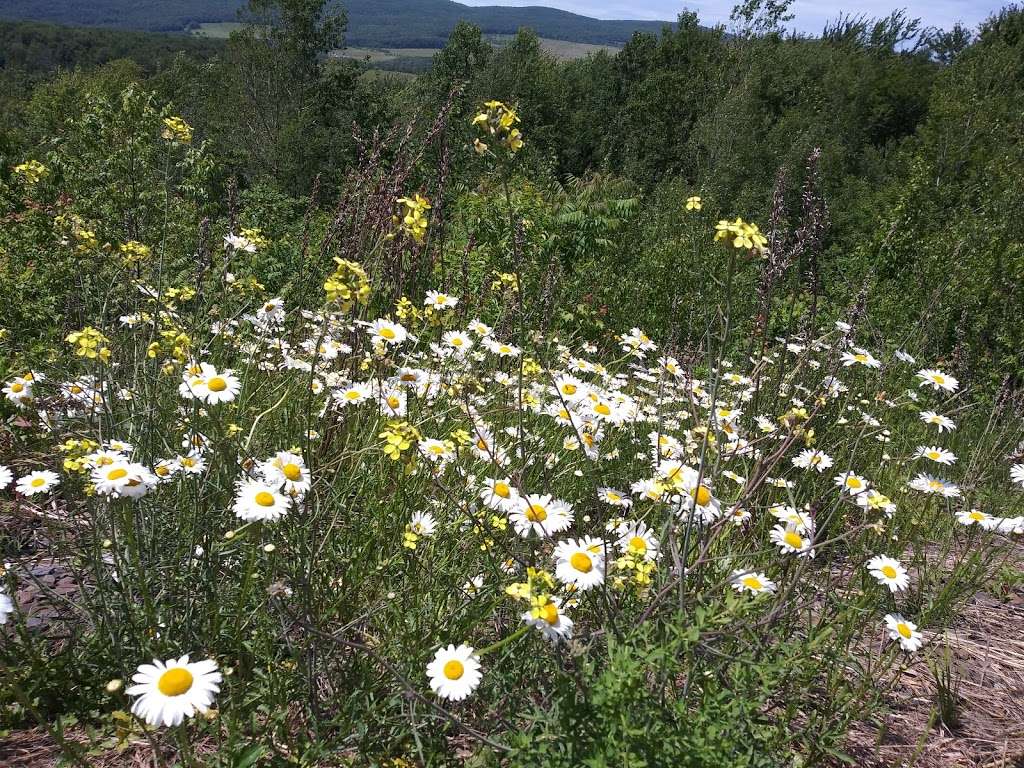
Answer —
(562, 50)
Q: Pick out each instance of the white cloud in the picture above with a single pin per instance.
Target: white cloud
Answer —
(810, 15)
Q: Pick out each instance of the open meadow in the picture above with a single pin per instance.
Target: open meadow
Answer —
(511, 413)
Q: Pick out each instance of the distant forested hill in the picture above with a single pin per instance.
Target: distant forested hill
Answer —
(388, 23)
(35, 47)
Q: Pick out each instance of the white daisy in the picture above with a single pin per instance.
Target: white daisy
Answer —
(751, 581)
(580, 562)
(541, 514)
(40, 481)
(937, 380)
(889, 572)
(550, 620)
(455, 672)
(936, 454)
(173, 690)
(257, 501)
(904, 631)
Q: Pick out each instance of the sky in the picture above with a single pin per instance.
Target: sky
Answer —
(810, 16)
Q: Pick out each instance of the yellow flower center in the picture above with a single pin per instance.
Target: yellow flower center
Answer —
(702, 496)
(888, 571)
(264, 499)
(38, 482)
(935, 485)
(638, 544)
(794, 539)
(502, 489)
(162, 471)
(536, 513)
(292, 472)
(569, 389)
(753, 582)
(352, 394)
(550, 613)
(16, 388)
(117, 474)
(481, 444)
(581, 562)
(978, 516)
(939, 378)
(603, 409)
(457, 341)
(454, 669)
(175, 681)
(268, 307)
(394, 402)
(853, 482)
(861, 358)
(75, 390)
(816, 459)
(904, 630)
(387, 333)
(217, 384)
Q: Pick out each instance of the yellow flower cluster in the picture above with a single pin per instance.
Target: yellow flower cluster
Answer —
(413, 216)
(133, 252)
(740, 234)
(89, 343)
(498, 121)
(536, 588)
(406, 311)
(75, 450)
(86, 240)
(347, 285)
(176, 129)
(174, 343)
(399, 438)
(505, 280)
(31, 171)
(694, 203)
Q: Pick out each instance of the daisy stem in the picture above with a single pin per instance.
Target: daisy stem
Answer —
(504, 641)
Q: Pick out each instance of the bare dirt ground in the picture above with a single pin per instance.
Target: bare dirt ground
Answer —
(987, 644)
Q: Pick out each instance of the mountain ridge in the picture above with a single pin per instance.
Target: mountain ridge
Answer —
(395, 23)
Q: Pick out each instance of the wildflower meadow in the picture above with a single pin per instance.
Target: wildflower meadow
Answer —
(382, 482)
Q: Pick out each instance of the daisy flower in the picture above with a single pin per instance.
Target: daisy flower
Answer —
(812, 459)
(173, 690)
(791, 541)
(851, 483)
(937, 380)
(386, 332)
(480, 328)
(976, 516)
(1016, 475)
(614, 498)
(749, 581)
(287, 470)
(41, 481)
(944, 423)
(905, 357)
(271, 313)
(257, 501)
(394, 402)
(638, 539)
(889, 572)
(930, 484)
(220, 387)
(550, 620)
(353, 394)
(542, 514)
(499, 495)
(904, 631)
(454, 673)
(936, 454)
(440, 301)
(861, 356)
(423, 524)
(6, 476)
(580, 562)
(6, 607)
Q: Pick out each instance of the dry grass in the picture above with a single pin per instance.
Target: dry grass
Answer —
(987, 647)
